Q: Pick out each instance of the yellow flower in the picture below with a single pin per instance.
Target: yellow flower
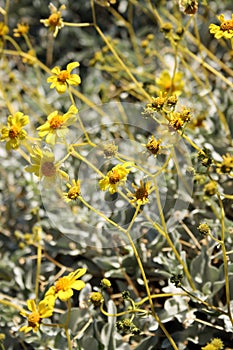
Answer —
(34, 318)
(63, 288)
(215, 344)
(54, 22)
(74, 191)
(21, 30)
(43, 166)
(3, 29)
(165, 83)
(61, 78)
(210, 188)
(141, 193)
(56, 125)
(225, 29)
(115, 177)
(96, 298)
(13, 133)
(227, 164)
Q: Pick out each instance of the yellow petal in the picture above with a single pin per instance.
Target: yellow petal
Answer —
(72, 65)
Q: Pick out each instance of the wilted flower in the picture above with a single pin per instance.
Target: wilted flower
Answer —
(43, 165)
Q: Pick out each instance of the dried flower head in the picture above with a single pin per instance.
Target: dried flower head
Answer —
(189, 7)
(153, 146)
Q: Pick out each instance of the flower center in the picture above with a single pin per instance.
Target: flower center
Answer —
(63, 76)
(13, 132)
(33, 319)
(114, 177)
(48, 169)
(141, 193)
(54, 19)
(62, 284)
(74, 192)
(226, 25)
(153, 146)
(56, 122)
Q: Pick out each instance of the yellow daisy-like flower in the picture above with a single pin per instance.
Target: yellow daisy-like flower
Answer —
(3, 29)
(73, 192)
(56, 125)
(13, 133)
(226, 166)
(115, 177)
(43, 165)
(165, 83)
(61, 78)
(225, 30)
(54, 22)
(141, 193)
(63, 288)
(21, 30)
(34, 318)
